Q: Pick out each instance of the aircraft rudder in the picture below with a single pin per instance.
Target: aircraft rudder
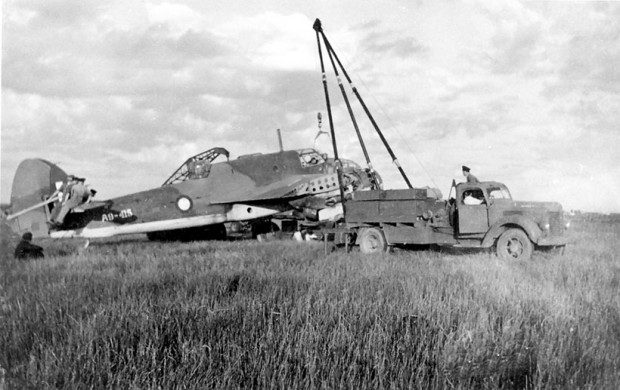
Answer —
(34, 182)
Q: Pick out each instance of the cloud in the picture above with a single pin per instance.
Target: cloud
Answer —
(472, 123)
(589, 58)
(178, 17)
(515, 42)
(59, 14)
(273, 41)
(391, 43)
(90, 61)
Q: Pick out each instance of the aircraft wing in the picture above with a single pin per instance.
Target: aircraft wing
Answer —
(289, 187)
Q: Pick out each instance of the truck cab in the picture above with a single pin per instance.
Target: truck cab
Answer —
(486, 211)
(478, 204)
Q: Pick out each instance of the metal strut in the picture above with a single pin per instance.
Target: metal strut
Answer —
(319, 29)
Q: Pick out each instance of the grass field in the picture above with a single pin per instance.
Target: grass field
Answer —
(137, 314)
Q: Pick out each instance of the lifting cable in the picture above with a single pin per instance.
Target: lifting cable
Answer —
(404, 141)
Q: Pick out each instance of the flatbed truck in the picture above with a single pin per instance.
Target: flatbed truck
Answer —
(379, 219)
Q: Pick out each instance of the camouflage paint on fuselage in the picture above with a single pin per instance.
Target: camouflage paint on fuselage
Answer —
(253, 179)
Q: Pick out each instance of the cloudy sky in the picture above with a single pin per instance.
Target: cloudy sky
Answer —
(121, 92)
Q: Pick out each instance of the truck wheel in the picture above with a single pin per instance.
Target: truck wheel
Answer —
(514, 244)
(372, 240)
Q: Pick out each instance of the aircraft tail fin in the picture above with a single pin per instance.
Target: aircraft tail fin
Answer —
(33, 185)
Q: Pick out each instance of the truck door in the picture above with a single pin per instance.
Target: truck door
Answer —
(473, 214)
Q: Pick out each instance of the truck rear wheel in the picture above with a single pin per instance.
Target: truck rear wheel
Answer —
(514, 244)
(372, 240)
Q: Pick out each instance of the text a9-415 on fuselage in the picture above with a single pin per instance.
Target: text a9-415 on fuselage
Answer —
(201, 194)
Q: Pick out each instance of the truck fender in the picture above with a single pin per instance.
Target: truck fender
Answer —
(515, 221)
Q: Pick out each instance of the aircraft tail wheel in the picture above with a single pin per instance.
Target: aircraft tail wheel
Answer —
(372, 240)
(514, 244)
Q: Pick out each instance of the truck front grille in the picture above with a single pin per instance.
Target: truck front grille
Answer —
(556, 223)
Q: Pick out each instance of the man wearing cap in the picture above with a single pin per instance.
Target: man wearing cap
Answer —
(470, 178)
(26, 250)
(75, 198)
(64, 192)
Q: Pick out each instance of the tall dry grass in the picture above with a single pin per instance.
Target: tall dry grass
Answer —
(136, 314)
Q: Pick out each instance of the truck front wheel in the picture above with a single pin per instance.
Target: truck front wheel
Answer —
(372, 240)
(514, 244)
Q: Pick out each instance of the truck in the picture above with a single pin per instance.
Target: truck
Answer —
(379, 219)
(476, 214)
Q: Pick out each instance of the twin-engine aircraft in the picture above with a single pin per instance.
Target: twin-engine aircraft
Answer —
(196, 200)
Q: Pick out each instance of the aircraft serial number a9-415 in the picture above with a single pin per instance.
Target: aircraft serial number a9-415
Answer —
(196, 200)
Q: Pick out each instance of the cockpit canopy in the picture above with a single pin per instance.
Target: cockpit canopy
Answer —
(310, 157)
(196, 166)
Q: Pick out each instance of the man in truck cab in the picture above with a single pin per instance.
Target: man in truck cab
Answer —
(473, 197)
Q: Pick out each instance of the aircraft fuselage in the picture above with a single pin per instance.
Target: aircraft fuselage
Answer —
(246, 188)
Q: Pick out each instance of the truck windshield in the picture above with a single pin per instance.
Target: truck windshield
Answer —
(498, 193)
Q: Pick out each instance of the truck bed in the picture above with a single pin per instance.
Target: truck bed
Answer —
(392, 206)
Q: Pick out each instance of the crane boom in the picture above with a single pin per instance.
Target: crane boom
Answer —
(332, 55)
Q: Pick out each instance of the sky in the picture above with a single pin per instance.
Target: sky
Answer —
(122, 92)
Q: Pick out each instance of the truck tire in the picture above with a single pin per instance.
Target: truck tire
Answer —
(372, 240)
(514, 244)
